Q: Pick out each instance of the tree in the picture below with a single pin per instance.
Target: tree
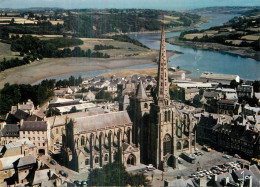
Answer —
(256, 86)
(117, 176)
(178, 67)
(233, 84)
(201, 92)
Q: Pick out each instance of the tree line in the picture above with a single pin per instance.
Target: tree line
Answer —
(72, 81)
(32, 48)
(12, 94)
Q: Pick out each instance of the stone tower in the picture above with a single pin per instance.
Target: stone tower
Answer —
(162, 89)
(139, 114)
(167, 124)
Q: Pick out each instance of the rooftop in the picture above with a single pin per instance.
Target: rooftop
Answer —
(99, 121)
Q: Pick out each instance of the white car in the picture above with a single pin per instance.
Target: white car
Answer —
(150, 167)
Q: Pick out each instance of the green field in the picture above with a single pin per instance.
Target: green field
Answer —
(5, 52)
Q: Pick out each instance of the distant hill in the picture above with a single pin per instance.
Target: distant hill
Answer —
(221, 10)
(91, 22)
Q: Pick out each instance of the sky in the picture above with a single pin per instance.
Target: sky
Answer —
(101, 4)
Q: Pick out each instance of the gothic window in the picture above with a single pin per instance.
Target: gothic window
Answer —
(82, 140)
(169, 115)
(161, 84)
(145, 105)
(128, 135)
(178, 145)
(186, 144)
(165, 116)
(166, 144)
(106, 158)
(97, 160)
(87, 161)
(57, 131)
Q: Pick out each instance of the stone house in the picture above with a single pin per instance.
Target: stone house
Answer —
(191, 93)
(38, 132)
(245, 91)
(228, 107)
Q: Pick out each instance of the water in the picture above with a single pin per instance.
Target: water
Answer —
(198, 61)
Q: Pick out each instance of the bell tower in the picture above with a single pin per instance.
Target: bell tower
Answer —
(163, 97)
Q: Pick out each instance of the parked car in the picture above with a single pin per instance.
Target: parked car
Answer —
(237, 156)
(150, 167)
(200, 153)
(206, 148)
(53, 162)
(226, 156)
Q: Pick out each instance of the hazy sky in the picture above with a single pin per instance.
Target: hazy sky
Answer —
(154, 4)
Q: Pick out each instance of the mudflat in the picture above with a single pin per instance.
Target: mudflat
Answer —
(51, 67)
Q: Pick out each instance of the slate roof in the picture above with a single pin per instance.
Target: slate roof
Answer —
(219, 182)
(140, 93)
(19, 143)
(10, 130)
(7, 162)
(245, 88)
(33, 126)
(226, 102)
(27, 160)
(192, 90)
(218, 76)
(231, 96)
(255, 181)
(43, 176)
(210, 94)
(99, 121)
(183, 183)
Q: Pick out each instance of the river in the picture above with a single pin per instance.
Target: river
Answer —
(198, 61)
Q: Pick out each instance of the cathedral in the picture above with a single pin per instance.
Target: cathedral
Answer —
(161, 131)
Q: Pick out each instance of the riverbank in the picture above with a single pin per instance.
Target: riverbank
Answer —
(53, 67)
(241, 51)
(203, 20)
(142, 72)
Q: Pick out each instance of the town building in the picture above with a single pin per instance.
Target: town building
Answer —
(224, 79)
(93, 141)
(229, 107)
(245, 91)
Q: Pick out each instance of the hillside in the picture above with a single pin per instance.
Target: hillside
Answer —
(240, 35)
(92, 22)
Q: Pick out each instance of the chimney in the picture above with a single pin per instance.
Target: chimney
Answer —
(203, 182)
(21, 122)
(215, 177)
(250, 181)
(226, 181)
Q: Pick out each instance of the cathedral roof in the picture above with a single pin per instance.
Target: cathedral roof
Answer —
(100, 121)
(140, 93)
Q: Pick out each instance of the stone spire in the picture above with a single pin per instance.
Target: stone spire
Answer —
(163, 84)
(140, 93)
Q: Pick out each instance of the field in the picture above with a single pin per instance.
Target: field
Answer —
(251, 37)
(124, 49)
(5, 52)
(198, 35)
(19, 20)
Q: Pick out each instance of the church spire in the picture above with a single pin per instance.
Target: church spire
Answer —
(141, 94)
(162, 84)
